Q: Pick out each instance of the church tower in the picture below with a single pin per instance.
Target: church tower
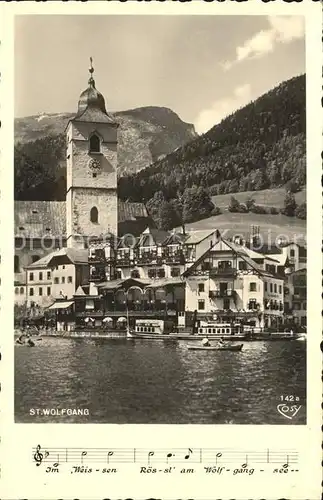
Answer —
(91, 200)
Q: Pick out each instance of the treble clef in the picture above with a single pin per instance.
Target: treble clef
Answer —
(38, 456)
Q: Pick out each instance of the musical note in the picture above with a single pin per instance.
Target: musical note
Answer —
(286, 465)
(110, 453)
(245, 465)
(189, 454)
(169, 455)
(218, 455)
(38, 456)
(83, 454)
(150, 454)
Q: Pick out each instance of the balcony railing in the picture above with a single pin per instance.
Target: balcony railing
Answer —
(216, 294)
(223, 272)
(100, 259)
(124, 262)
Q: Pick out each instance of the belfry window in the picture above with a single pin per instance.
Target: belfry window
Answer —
(94, 144)
(94, 215)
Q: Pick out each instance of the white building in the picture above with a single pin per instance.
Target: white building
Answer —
(227, 282)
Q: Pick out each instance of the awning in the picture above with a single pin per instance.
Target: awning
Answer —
(107, 319)
(165, 282)
(61, 305)
(121, 320)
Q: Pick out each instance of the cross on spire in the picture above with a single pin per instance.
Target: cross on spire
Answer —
(91, 70)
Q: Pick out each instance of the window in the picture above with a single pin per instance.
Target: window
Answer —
(70, 279)
(152, 273)
(118, 275)
(56, 281)
(253, 287)
(40, 276)
(48, 290)
(63, 280)
(292, 252)
(266, 286)
(271, 287)
(201, 287)
(34, 258)
(40, 291)
(17, 264)
(31, 276)
(275, 287)
(201, 305)
(242, 265)
(161, 273)
(175, 272)
(94, 144)
(48, 275)
(280, 289)
(135, 274)
(16, 291)
(94, 215)
(21, 290)
(31, 292)
(252, 304)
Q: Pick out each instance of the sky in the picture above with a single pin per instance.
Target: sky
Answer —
(202, 67)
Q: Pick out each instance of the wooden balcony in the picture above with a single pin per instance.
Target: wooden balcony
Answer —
(229, 272)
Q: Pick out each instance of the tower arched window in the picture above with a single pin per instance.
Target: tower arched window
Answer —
(94, 215)
(17, 264)
(94, 144)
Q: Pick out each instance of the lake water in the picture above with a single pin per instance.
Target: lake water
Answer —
(122, 381)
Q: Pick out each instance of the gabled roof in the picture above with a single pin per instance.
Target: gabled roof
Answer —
(79, 292)
(237, 249)
(75, 256)
(196, 236)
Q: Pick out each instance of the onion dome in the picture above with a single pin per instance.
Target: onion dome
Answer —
(91, 105)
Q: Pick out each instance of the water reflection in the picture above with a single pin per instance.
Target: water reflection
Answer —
(155, 382)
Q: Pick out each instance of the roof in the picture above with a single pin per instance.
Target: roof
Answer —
(166, 282)
(154, 237)
(61, 305)
(239, 250)
(75, 255)
(37, 219)
(196, 236)
(113, 284)
(131, 211)
(79, 292)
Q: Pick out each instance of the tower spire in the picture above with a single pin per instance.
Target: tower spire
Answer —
(91, 71)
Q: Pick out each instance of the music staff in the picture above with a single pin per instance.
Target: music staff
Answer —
(164, 456)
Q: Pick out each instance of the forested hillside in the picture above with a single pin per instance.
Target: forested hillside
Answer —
(259, 146)
(145, 135)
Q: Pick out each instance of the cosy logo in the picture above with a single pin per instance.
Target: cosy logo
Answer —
(288, 411)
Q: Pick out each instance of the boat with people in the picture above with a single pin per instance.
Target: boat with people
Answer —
(236, 347)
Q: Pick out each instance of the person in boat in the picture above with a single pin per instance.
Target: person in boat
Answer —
(205, 342)
(221, 342)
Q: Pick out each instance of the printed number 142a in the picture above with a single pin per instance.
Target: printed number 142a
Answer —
(289, 398)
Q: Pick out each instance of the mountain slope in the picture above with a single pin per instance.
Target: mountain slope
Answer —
(145, 135)
(259, 146)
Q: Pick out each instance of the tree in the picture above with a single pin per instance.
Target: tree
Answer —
(234, 205)
(289, 204)
(250, 202)
(166, 218)
(300, 211)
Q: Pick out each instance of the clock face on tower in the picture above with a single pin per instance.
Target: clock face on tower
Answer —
(94, 166)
